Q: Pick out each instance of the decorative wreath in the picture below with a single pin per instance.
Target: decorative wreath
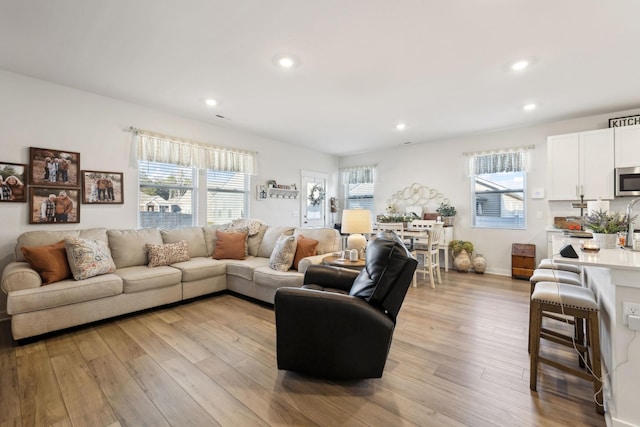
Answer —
(316, 195)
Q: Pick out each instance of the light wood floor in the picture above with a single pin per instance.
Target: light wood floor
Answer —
(459, 357)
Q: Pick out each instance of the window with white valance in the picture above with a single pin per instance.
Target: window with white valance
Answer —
(498, 180)
(169, 173)
(157, 148)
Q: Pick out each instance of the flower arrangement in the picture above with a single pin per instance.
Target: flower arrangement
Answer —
(446, 210)
(606, 223)
(396, 218)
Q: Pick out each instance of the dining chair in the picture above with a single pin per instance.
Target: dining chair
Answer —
(396, 227)
(430, 254)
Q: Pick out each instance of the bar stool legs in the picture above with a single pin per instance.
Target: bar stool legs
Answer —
(579, 303)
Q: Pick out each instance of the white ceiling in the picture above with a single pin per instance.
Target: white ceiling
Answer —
(440, 66)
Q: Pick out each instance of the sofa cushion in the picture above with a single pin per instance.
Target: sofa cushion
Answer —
(282, 256)
(253, 242)
(49, 261)
(63, 293)
(41, 238)
(230, 245)
(210, 237)
(304, 247)
(269, 240)
(329, 239)
(246, 268)
(129, 247)
(167, 253)
(200, 268)
(265, 276)
(88, 258)
(142, 278)
(194, 237)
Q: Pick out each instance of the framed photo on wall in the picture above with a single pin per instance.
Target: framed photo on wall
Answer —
(53, 167)
(102, 187)
(12, 184)
(54, 205)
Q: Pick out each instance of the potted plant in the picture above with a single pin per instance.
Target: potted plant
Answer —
(605, 227)
(447, 212)
(461, 251)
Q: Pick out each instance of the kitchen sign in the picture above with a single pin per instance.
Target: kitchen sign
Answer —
(624, 121)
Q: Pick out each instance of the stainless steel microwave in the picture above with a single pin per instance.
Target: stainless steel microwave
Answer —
(628, 181)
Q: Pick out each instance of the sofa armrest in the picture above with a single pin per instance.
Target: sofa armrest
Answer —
(310, 260)
(19, 275)
(330, 277)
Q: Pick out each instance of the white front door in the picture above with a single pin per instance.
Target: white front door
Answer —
(313, 195)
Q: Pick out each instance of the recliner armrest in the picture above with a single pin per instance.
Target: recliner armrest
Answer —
(330, 277)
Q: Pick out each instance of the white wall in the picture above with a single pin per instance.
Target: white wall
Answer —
(34, 113)
(441, 165)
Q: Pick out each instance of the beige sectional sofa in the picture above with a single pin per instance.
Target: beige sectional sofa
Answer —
(36, 308)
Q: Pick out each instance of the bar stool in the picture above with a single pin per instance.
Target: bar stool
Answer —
(580, 303)
(558, 276)
(552, 265)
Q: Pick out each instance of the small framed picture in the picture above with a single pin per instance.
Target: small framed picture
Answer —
(54, 205)
(261, 192)
(12, 182)
(102, 187)
(50, 167)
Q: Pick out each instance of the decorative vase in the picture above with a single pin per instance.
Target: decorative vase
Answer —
(606, 241)
(448, 221)
(479, 264)
(462, 262)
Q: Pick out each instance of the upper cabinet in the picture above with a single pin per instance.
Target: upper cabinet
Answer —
(581, 163)
(627, 146)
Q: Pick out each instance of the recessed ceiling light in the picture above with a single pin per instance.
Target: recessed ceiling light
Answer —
(286, 61)
(211, 102)
(529, 107)
(401, 126)
(519, 65)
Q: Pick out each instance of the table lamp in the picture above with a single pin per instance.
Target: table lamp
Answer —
(355, 222)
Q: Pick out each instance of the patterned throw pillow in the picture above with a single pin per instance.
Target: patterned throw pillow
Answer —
(49, 261)
(167, 253)
(88, 258)
(282, 256)
(305, 247)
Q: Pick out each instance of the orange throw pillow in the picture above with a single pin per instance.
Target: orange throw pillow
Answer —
(306, 247)
(49, 261)
(230, 245)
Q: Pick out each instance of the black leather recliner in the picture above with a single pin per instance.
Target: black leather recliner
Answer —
(340, 323)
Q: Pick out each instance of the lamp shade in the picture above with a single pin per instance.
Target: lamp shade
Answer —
(356, 221)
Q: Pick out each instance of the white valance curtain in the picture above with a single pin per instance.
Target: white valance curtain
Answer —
(153, 147)
(515, 160)
(358, 175)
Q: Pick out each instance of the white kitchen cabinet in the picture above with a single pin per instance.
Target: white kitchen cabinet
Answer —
(627, 146)
(580, 163)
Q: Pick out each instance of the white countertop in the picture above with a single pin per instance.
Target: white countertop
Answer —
(618, 258)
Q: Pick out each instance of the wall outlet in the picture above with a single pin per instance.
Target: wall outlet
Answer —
(630, 309)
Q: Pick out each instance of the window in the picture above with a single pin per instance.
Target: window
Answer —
(169, 174)
(499, 188)
(227, 196)
(169, 195)
(359, 188)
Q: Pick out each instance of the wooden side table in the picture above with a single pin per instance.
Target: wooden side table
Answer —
(335, 261)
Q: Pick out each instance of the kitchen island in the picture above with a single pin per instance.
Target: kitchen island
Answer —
(614, 277)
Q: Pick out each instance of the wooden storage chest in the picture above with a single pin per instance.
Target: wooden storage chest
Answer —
(523, 260)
